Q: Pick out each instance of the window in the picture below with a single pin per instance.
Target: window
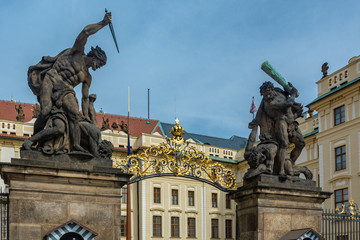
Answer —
(214, 200)
(228, 228)
(339, 115)
(191, 228)
(174, 197)
(227, 202)
(124, 195)
(157, 226)
(123, 226)
(214, 228)
(191, 197)
(340, 158)
(175, 227)
(341, 197)
(157, 194)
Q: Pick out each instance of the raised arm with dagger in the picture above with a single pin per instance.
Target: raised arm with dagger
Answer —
(53, 81)
(113, 33)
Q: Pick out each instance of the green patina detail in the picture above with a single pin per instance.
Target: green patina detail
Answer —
(161, 129)
(333, 91)
(311, 133)
(271, 71)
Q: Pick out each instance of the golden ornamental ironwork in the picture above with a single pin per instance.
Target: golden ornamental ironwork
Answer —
(349, 208)
(176, 158)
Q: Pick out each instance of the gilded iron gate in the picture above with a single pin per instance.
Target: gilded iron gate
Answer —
(176, 158)
(342, 224)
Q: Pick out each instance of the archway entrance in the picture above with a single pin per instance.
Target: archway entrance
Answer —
(71, 236)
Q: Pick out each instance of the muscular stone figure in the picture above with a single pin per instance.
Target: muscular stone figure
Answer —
(276, 118)
(53, 80)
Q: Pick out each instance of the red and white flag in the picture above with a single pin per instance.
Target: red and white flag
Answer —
(253, 107)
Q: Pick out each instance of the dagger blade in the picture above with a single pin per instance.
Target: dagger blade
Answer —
(113, 33)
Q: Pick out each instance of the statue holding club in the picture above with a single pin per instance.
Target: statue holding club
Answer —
(276, 118)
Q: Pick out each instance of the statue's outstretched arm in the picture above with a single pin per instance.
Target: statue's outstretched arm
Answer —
(90, 29)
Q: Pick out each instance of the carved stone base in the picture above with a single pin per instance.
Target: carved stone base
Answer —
(268, 209)
(46, 194)
(69, 160)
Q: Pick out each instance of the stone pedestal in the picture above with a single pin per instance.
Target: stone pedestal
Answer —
(268, 209)
(45, 194)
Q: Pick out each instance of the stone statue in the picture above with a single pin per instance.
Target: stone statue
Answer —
(276, 118)
(105, 124)
(36, 110)
(60, 126)
(324, 69)
(20, 113)
(124, 127)
(114, 126)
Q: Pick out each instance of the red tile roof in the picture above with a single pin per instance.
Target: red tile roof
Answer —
(8, 111)
(137, 125)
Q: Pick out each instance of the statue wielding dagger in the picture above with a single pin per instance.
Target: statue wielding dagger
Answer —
(113, 33)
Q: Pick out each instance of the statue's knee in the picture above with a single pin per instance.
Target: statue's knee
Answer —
(46, 110)
(61, 129)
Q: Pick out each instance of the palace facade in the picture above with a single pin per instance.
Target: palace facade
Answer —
(332, 133)
(161, 207)
(183, 208)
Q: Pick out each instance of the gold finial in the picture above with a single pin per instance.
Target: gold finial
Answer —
(12, 98)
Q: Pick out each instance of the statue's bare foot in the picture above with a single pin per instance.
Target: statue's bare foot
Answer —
(283, 177)
(77, 147)
(268, 171)
(27, 144)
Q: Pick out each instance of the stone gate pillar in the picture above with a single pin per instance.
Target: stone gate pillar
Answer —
(48, 193)
(268, 208)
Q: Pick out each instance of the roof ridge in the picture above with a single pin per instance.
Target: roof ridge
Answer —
(16, 102)
(191, 134)
(112, 114)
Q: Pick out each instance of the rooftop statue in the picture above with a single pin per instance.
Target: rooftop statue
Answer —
(60, 126)
(276, 118)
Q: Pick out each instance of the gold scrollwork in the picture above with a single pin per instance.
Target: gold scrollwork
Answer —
(349, 208)
(176, 157)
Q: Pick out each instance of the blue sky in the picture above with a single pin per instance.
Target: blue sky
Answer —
(200, 58)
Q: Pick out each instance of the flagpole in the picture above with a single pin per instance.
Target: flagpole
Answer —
(128, 206)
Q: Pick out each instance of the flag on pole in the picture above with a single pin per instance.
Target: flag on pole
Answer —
(129, 148)
(253, 107)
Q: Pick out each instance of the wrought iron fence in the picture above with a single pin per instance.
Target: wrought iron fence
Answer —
(340, 225)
